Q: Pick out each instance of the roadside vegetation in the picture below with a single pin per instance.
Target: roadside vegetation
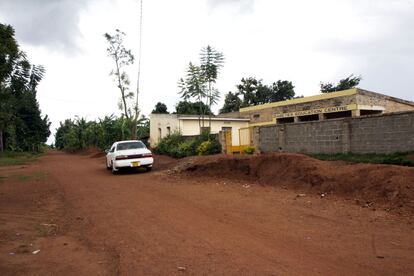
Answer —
(177, 146)
(393, 159)
(10, 158)
(78, 134)
(22, 126)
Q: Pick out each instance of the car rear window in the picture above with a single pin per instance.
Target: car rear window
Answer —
(130, 145)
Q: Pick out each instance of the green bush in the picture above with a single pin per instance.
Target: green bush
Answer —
(249, 150)
(176, 146)
(187, 148)
(169, 144)
(209, 147)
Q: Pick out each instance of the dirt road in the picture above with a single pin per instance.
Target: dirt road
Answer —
(86, 221)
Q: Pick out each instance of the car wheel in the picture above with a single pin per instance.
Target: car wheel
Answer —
(149, 169)
(114, 170)
(107, 167)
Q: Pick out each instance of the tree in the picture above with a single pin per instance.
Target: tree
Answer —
(160, 108)
(198, 85)
(210, 63)
(193, 87)
(22, 126)
(254, 92)
(232, 103)
(344, 84)
(143, 127)
(123, 58)
(282, 91)
(192, 108)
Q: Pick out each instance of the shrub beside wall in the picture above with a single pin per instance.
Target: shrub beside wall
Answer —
(175, 145)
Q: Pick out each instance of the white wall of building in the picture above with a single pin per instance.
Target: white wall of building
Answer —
(191, 127)
(163, 124)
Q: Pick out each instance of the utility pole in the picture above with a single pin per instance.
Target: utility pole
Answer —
(135, 121)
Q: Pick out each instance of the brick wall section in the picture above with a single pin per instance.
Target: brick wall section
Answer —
(386, 134)
(267, 138)
(371, 134)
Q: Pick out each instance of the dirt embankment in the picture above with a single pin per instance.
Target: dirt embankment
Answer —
(371, 185)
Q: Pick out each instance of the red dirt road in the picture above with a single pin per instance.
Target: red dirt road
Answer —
(85, 221)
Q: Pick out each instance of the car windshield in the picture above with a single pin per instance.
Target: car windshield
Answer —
(130, 145)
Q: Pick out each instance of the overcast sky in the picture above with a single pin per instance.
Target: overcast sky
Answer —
(298, 40)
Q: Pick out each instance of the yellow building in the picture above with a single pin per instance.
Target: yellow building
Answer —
(348, 103)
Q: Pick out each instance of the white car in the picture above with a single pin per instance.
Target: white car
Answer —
(128, 154)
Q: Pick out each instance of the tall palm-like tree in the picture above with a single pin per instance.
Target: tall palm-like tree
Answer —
(211, 61)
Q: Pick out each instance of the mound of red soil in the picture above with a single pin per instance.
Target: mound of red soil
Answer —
(410, 157)
(88, 151)
(99, 154)
(391, 187)
(163, 162)
(92, 152)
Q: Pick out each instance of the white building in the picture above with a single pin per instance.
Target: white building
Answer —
(188, 125)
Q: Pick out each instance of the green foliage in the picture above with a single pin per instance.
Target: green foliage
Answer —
(78, 134)
(344, 84)
(249, 150)
(254, 92)
(209, 147)
(175, 145)
(232, 103)
(210, 63)
(395, 158)
(22, 127)
(160, 108)
(169, 144)
(143, 130)
(198, 84)
(186, 148)
(192, 108)
(10, 158)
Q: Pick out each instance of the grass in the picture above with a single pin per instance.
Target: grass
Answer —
(10, 158)
(24, 177)
(32, 176)
(394, 158)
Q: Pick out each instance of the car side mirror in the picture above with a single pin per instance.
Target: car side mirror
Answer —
(107, 150)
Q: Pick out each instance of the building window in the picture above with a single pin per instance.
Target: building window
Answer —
(159, 134)
(336, 115)
(168, 130)
(256, 116)
(370, 112)
(308, 118)
(285, 120)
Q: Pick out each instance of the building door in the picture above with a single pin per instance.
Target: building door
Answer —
(227, 139)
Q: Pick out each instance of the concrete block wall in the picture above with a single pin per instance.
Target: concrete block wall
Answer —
(266, 139)
(370, 134)
(314, 137)
(383, 134)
